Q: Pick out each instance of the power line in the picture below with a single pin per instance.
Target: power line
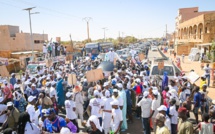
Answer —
(48, 9)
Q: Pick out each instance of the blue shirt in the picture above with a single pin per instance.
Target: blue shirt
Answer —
(34, 92)
(128, 97)
(13, 81)
(197, 99)
(56, 125)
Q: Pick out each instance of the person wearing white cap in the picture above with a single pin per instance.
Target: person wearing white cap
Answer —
(163, 109)
(106, 125)
(117, 97)
(65, 130)
(53, 93)
(110, 55)
(19, 101)
(155, 105)
(117, 116)
(13, 79)
(12, 116)
(3, 109)
(39, 71)
(138, 87)
(145, 103)
(95, 106)
(34, 91)
(70, 109)
(98, 87)
(31, 110)
(122, 94)
(48, 88)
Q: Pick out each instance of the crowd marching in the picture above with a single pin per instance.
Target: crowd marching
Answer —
(34, 103)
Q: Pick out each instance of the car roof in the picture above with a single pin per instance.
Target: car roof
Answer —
(167, 62)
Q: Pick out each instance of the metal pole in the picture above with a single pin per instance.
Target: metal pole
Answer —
(105, 28)
(29, 11)
(88, 31)
(104, 35)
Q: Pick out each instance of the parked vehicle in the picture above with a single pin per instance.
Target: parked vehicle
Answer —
(92, 50)
(154, 48)
(194, 54)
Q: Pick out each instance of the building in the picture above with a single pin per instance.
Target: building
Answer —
(11, 39)
(16, 45)
(194, 29)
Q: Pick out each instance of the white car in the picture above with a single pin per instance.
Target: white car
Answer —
(154, 48)
(168, 67)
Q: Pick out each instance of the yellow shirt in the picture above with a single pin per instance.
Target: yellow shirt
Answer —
(133, 84)
(202, 83)
(44, 82)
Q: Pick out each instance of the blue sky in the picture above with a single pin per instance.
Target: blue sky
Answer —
(140, 18)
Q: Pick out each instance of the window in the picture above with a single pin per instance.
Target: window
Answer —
(168, 69)
(206, 30)
(12, 35)
(36, 41)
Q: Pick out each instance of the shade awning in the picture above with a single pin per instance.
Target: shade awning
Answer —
(204, 45)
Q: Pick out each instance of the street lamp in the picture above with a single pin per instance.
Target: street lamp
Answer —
(29, 12)
(104, 28)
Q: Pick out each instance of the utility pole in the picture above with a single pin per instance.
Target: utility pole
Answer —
(43, 37)
(87, 19)
(29, 12)
(104, 28)
(166, 33)
(71, 41)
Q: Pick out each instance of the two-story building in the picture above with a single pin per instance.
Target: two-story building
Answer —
(194, 29)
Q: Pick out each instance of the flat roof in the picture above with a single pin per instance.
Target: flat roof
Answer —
(24, 52)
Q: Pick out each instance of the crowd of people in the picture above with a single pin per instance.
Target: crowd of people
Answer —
(33, 103)
(53, 49)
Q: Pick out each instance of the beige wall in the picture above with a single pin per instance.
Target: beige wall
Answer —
(198, 30)
(12, 40)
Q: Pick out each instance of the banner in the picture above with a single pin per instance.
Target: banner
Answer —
(193, 77)
(72, 79)
(141, 56)
(4, 72)
(94, 75)
(160, 65)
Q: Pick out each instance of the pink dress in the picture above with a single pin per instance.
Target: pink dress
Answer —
(165, 99)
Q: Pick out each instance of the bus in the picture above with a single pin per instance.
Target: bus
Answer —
(105, 46)
(92, 50)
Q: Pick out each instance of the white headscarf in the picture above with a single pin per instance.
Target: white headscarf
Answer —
(107, 93)
(19, 96)
(95, 120)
